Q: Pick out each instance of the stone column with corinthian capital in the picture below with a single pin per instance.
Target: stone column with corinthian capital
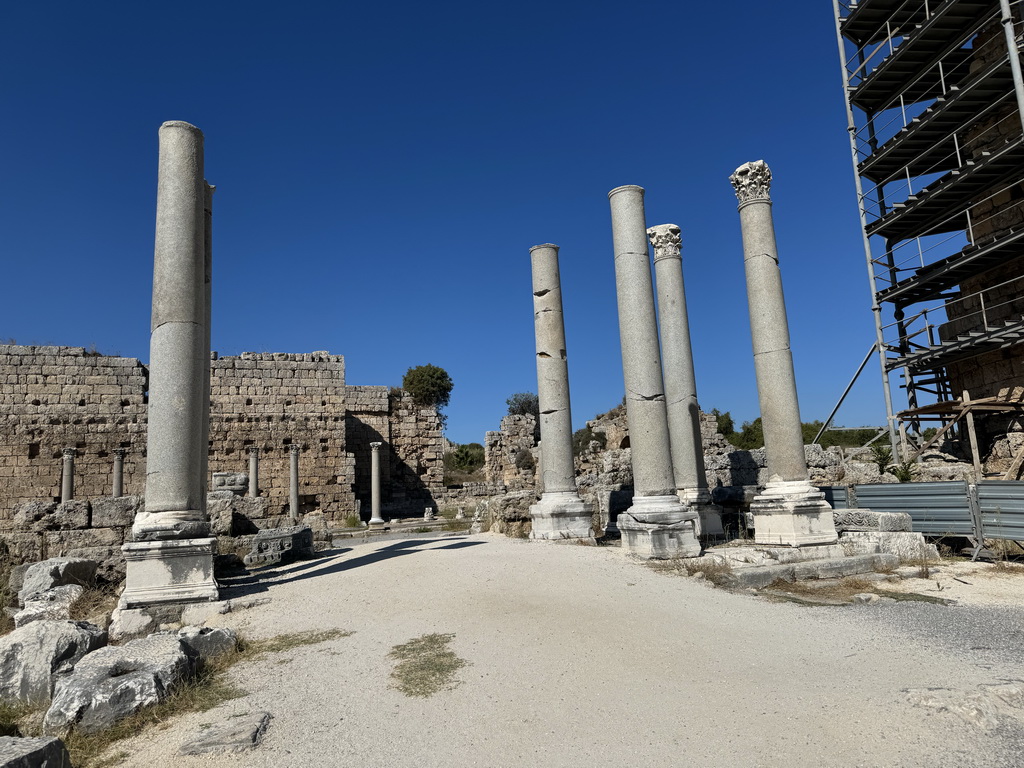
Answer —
(790, 511)
(680, 380)
(560, 513)
(657, 525)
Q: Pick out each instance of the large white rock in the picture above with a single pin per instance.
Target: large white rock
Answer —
(56, 572)
(31, 655)
(51, 605)
(115, 682)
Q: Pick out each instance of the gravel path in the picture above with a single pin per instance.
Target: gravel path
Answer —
(580, 656)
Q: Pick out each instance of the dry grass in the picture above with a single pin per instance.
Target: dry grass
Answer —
(841, 589)
(714, 570)
(95, 604)
(425, 665)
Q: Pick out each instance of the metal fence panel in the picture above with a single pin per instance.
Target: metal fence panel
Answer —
(937, 509)
(1002, 509)
(836, 496)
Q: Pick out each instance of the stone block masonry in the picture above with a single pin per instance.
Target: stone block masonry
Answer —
(57, 397)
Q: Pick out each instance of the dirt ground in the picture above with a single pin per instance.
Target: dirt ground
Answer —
(581, 656)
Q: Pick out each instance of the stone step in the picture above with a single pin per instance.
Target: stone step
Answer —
(759, 576)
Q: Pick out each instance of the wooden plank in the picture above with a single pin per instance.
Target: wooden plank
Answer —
(975, 456)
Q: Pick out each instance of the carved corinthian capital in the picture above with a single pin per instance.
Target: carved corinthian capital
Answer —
(666, 241)
(752, 181)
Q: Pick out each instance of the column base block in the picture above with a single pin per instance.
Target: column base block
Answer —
(659, 528)
(169, 571)
(560, 515)
(792, 514)
(709, 516)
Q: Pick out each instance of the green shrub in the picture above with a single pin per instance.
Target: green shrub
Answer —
(582, 438)
(523, 404)
(428, 385)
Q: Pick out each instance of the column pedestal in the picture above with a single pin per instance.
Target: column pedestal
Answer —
(658, 528)
(169, 571)
(792, 514)
(709, 516)
(560, 515)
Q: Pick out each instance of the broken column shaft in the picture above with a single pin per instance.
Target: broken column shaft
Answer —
(656, 525)
(560, 513)
(680, 380)
(790, 511)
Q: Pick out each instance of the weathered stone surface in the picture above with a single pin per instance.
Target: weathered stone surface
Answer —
(49, 516)
(127, 623)
(238, 734)
(114, 512)
(908, 546)
(33, 753)
(236, 482)
(33, 515)
(281, 545)
(115, 682)
(208, 642)
(50, 605)
(757, 577)
(30, 656)
(56, 572)
(200, 613)
(866, 520)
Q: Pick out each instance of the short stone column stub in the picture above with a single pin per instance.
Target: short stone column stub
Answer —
(67, 474)
(118, 484)
(254, 471)
(790, 511)
(375, 519)
(680, 379)
(560, 513)
(171, 557)
(294, 450)
(657, 525)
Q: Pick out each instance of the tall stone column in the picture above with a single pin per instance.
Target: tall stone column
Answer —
(118, 489)
(207, 291)
(560, 513)
(375, 519)
(657, 525)
(293, 481)
(171, 557)
(254, 471)
(680, 381)
(67, 474)
(790, 511)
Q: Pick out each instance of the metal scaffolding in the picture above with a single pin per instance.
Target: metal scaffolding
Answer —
(935, 106)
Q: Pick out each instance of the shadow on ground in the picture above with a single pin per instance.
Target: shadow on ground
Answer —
(327, 563)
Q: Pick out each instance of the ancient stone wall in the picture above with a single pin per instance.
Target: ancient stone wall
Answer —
(997, 295)
(53, 397)
(272, 401)
(510, 455)
(412, 453)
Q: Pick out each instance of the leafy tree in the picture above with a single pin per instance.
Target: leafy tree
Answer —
(724, 422)
(750, 436)
(523, 403)
(428, 385)
(468, 457)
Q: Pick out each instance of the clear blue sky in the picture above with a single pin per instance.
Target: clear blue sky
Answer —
(383, 169)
